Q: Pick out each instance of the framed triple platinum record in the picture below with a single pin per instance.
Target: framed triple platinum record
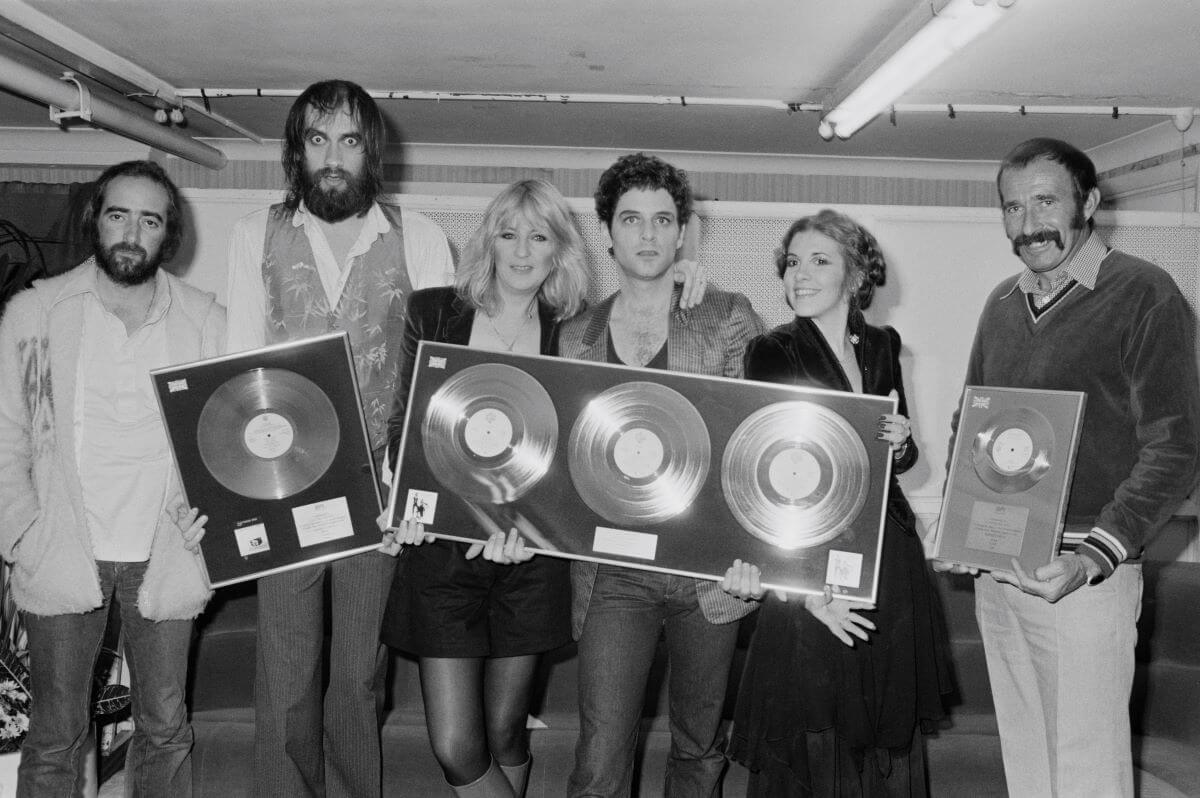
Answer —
(649, 469)
(1010, 477)
(271, 445)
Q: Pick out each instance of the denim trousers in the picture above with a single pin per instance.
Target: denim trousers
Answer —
(628, 612)
(63, 650)
(1061, 677)
(307, 743)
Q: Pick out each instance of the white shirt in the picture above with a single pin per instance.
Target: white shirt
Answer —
(426, 254)
(120, 443)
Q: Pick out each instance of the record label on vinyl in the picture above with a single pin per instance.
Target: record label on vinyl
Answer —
(488, 433)
(1012, 450)
(638, 453)
(794, 474)
(268, 435)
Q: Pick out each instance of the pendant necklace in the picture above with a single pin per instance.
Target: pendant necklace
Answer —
(508, 345)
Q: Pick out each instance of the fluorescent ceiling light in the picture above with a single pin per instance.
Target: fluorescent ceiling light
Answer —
(930, 33)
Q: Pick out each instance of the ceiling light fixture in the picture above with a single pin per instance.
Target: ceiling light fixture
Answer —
(927, 36)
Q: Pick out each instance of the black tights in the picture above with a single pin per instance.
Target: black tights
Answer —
(475, 710)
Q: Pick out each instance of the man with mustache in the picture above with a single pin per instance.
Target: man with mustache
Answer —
(328, 258)
(1082, 317)
(91, 509)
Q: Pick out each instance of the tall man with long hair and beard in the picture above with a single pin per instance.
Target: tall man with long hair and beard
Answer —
(91, 510)
(328, 258)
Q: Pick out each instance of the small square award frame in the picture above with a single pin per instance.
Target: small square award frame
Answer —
(271, 445)
(1010, 477)
(648, 469)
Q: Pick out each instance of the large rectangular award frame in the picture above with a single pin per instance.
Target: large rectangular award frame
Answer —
(271, 445)
(1010, 477)
(649, 469)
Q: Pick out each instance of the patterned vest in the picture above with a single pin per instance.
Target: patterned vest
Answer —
(371, 308)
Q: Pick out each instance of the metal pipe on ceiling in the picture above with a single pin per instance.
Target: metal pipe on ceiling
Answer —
(1181, 115)
(43, 88)
(542, 97)
(58, 34)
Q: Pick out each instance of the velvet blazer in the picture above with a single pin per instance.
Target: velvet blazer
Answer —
(796, 353)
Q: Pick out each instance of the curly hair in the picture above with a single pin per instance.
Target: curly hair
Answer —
(642, 171)
(155, 174)
(865, 265)
(541, 203)
(325, 99)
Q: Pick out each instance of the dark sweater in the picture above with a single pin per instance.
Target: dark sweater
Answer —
(1129, 345)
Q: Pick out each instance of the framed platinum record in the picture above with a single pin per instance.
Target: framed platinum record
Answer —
(271, 445)
(1010, 477)
(648, 469)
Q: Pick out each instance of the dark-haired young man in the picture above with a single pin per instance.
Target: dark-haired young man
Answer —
(619, 613)
(91, 509)
(328, 258)
(1082, 317)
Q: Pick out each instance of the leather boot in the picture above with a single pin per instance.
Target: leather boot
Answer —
(492, 784)
(518, 775)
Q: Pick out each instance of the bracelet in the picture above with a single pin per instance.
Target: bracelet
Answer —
(899, 453)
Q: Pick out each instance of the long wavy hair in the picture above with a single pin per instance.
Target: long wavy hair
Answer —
(865, 266)
(327, 98)
(537, 200)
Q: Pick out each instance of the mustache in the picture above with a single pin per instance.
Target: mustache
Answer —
(332, 171)
(1037, 237)
(131, 249)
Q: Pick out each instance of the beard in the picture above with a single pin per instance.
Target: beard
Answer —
(127, 264)
(335, 204)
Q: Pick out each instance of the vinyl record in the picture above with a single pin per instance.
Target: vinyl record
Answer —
(638, 453)
(795, 474)
(489, 433)
(1013, 450)
(268, 433)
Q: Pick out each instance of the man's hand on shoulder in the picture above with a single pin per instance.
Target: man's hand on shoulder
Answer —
(1062, 576)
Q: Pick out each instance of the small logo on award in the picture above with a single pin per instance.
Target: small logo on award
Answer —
(175, 386)
(981, 402)
(421, 506)
(437, 363)
(252, 539)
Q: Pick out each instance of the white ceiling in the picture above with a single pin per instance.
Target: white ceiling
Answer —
(1048, 52)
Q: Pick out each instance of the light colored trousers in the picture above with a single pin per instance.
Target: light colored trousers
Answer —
(1061, 677)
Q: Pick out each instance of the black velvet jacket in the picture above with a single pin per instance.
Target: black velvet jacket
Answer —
(441, 315)
(796, 353)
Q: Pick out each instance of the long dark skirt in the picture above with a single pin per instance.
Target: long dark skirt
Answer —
(818, 717)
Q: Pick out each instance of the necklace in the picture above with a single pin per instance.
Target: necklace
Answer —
(508, 345)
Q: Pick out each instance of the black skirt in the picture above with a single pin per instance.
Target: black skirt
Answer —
(800, 680)
(443, 605)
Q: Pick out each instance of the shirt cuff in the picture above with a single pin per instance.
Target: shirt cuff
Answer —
(1104, 550)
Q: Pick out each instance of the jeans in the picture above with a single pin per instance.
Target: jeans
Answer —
(628, 611)
(62, 656)
(1061, 677)
(306, 744)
